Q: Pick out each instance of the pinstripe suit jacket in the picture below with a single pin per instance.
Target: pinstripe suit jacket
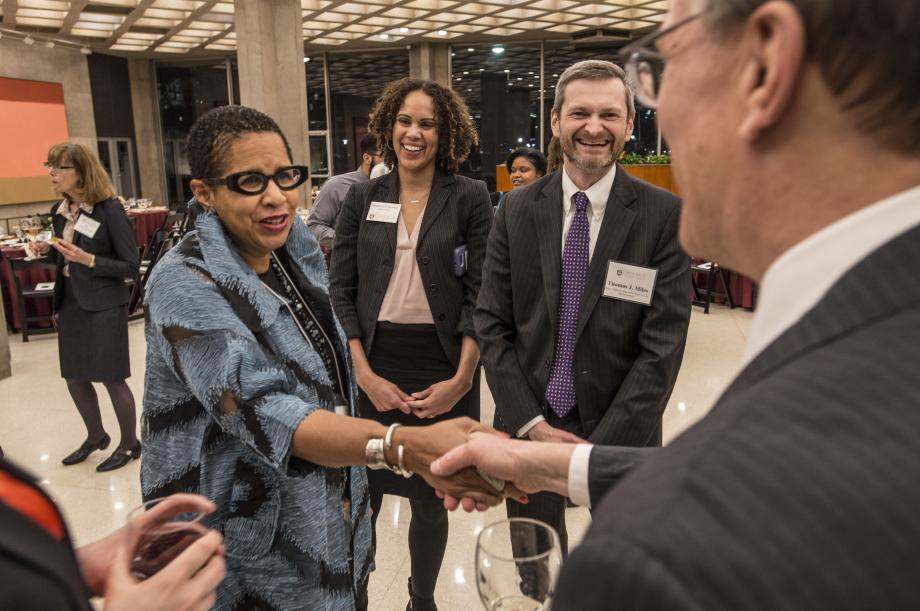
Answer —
(626, 355)
(799, 490)
(458, 212)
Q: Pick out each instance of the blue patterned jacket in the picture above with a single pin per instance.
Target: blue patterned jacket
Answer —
(229, 378)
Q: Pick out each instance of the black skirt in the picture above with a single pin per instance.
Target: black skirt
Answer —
(411, 357)
(92, 346)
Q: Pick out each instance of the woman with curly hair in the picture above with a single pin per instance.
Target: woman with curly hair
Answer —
(405, 274)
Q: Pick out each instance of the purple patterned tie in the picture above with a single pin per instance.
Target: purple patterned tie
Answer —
(560, 392)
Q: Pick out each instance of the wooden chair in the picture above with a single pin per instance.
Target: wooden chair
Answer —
(29, 293)
(702, 296)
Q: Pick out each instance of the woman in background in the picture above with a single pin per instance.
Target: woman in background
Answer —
(96, 251)
(525, 165)
(404, 287)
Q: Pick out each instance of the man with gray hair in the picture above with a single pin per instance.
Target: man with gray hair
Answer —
(795, 132)
(583, 311)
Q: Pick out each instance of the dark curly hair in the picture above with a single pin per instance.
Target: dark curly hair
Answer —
(212, 134)
(456, 132)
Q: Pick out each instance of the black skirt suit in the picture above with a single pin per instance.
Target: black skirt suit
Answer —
(91, 303)
(458, 213)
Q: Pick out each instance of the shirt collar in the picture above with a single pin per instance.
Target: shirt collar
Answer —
(801, 276)
(598, 193)
(64, 208)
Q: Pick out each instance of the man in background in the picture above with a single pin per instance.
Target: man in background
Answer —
(329, 200)
(583, 311)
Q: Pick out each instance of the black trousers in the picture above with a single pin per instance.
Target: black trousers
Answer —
(549, 507)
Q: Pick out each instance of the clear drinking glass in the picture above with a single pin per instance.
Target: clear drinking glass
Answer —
(159, 530)
(517, 562)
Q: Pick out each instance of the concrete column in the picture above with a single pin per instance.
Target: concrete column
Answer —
(272, 77)
(144, 105)
(6, 369)
(430, 61)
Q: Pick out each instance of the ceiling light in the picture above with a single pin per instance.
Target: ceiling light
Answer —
(28, 40)
(85, 51)
(306, 60)
(507, 71)
(442, 32)
(466, 72)
(470, 49)
(403, 30)
(384, 36)
(498, 50)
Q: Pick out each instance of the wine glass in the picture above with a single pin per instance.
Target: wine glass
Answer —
(30, 227)
(517, 561)
(159, 530)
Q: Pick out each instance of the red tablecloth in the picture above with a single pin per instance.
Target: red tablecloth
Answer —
(742, 288)
(11, 297)
(146, 222)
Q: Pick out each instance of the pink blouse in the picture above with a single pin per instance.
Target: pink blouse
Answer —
(405, 301)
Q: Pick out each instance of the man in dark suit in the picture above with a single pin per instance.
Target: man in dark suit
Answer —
(583, 311)
(799, 489)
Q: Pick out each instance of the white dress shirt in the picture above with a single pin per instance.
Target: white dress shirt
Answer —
(796, 281)
(598, 193)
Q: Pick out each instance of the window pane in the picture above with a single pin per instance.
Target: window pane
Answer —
(316, 91)
(186, 92)
(503, 93)
(355, 82)
(319, 159)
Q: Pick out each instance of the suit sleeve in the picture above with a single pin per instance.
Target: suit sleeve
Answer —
(477, 235)
(325, 210)
(612, 572)
(635, 413)
(610, 464)
(244, 389)
(126, 262)
(515, 403)
(343, 272)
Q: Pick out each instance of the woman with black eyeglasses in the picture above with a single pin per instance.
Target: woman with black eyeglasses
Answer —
(249, 387)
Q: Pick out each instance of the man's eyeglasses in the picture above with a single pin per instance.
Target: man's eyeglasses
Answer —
(53, 167)
(254, 183)
(645, 65)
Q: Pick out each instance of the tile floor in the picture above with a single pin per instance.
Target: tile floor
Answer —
(39, 425)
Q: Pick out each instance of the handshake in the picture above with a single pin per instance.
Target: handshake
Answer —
(471, 465)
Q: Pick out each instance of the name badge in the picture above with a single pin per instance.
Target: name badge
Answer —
(630, 282)
(383, 212)
(87, 226)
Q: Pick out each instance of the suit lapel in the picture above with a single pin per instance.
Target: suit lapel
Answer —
(437, 200)
(547, 216)
(618, 220)
(877, 287)
(387, 191)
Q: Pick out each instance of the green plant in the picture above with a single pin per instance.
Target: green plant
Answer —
(638, 158)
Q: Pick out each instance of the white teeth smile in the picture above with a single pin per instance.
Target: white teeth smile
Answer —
(412, 148)
(274, 220)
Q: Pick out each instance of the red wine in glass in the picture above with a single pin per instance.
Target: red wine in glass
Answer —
(159, 545)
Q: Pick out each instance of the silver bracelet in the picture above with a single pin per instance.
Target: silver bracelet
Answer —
(400, 457)
(388, 439)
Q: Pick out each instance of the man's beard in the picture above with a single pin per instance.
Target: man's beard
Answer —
(589, 165)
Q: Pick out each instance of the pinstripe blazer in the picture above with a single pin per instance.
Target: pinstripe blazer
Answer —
(458, 212)
(800, 488)
(626, 355)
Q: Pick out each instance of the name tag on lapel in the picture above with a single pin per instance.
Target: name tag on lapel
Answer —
(383, 212)
(632, 283)
(86, 226)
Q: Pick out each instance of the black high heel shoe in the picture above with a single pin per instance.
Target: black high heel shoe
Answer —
(85, 449)
(419, 603)
(120, 458)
